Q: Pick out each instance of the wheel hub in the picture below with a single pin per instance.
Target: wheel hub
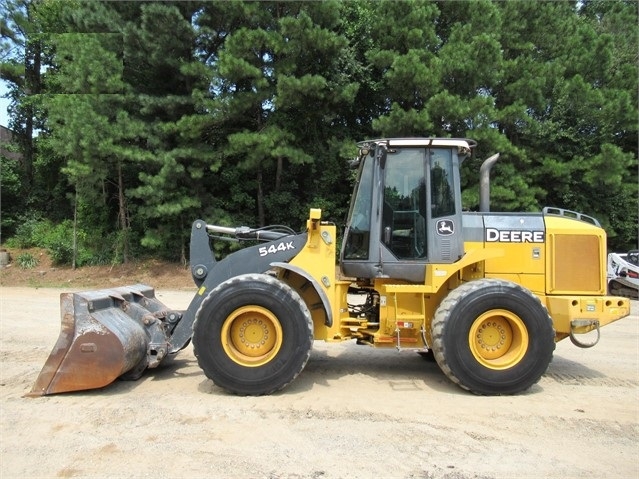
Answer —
(252, 336)
(498, 339)
(494, 337)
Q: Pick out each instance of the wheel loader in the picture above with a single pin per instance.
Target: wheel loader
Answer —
(488, 295)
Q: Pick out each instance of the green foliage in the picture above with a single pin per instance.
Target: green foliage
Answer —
(27, 261)
(37, 232)
(152, 114)
(59, 243)
(31, 231)
(11, 198)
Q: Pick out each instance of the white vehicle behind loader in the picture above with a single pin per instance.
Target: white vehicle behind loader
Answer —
(623, 274)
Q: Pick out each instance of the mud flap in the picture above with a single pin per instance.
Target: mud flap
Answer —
(104, 334)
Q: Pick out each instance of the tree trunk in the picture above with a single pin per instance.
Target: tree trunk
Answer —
(278, 173)
(74, 260)
(32, 86)
(122, 214)
(260, 199)
(32, 64)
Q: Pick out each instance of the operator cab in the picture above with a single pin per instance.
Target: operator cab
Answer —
(406, 208)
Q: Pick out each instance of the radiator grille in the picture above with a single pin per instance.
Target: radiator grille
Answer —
(577, 263)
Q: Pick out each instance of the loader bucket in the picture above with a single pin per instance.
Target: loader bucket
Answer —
(102, 337)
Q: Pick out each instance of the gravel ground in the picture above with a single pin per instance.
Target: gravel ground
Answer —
(354, 412)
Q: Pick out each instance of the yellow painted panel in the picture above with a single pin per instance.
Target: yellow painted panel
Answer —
(518, 258)
(534, 282)
(564, 309)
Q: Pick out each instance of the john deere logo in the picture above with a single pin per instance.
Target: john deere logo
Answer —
(445, 227)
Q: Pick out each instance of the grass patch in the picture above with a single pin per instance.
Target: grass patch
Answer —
(27, 261)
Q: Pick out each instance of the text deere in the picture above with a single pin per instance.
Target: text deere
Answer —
(494, 235)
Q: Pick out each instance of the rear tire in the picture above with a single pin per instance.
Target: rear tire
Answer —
(252, 335)
(493, 337)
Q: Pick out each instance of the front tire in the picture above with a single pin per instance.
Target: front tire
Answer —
(252, 335)
(493, 337)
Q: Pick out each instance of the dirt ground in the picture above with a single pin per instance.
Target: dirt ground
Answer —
(354, 412)
(160, 274)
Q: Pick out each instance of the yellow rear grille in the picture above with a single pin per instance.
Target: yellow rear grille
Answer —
(576, 265)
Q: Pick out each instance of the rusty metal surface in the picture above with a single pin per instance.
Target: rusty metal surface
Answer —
(103, 335)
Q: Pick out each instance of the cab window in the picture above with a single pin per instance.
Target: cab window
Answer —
(404, 214)
(357, 243)
(442, 196)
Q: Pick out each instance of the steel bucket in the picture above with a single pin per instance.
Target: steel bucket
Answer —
(104, 334)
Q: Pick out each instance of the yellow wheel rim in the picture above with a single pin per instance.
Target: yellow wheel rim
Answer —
(251, 336)
(498, 339)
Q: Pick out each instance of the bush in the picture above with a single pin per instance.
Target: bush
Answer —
(41, 233)
(93, 247)
(11, 198)
(30, 232)
(59, 243)
(27, 261)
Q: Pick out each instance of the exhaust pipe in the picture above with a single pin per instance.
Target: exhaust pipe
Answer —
(484, 182)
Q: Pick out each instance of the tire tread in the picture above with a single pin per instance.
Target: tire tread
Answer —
(444, 311)
(240, 282)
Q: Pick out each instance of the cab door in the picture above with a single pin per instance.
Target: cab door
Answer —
(421, 218)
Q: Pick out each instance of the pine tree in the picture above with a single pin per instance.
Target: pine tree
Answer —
(88, 126)
(20, 68)
(164, 81)
(278, 89)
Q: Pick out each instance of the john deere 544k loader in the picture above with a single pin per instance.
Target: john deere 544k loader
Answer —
(488, 293)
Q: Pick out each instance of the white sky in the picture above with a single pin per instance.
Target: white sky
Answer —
(4, 104)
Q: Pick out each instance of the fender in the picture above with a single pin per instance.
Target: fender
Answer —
(318, 288)
(213, 273)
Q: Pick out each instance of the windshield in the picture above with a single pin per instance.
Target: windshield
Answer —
(356, 246)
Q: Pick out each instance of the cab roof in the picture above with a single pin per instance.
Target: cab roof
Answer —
(423, 142)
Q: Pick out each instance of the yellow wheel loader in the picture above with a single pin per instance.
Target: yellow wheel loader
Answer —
(487, 294)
